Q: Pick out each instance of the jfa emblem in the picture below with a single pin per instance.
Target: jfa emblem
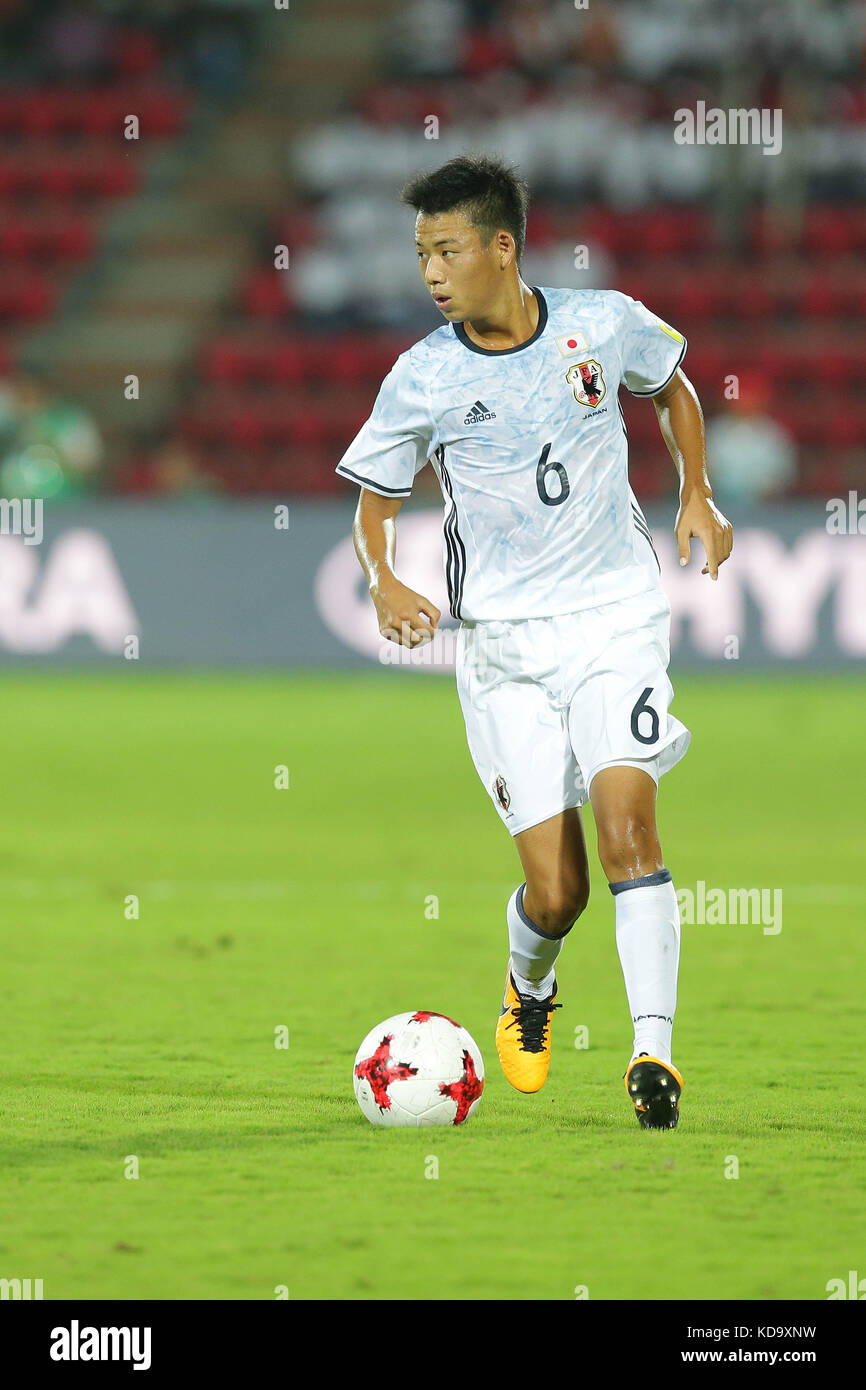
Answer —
(587, 381)
(502, 793)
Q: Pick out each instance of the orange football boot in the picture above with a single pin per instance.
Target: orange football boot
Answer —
(523, 1036)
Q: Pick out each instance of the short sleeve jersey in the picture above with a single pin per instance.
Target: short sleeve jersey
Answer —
(531, 451)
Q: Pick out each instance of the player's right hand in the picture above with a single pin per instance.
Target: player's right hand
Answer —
(405, 617)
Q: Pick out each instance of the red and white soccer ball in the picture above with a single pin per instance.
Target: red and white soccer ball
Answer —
(418, 1069)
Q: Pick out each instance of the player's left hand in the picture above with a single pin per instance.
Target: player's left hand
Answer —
(700, 518)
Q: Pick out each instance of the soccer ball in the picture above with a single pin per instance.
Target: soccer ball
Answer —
(418, 1069)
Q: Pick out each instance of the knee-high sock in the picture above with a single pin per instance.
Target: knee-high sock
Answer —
(648, 942)
(533, 951)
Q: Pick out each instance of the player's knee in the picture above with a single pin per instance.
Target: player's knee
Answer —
(627, 842)
(556, 908)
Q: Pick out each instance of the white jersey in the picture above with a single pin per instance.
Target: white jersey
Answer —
(530, 448)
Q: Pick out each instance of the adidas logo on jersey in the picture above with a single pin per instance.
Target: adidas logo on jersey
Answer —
(477, 413)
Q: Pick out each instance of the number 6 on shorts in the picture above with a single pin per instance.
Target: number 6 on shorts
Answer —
(641, 707)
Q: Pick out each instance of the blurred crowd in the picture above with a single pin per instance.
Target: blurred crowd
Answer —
(751, 456)
(582, 98)
(583, 101)
(646, 39)
(49, 447)
(73, 42)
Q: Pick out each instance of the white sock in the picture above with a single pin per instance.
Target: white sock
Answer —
(648, 942)
(533, 952)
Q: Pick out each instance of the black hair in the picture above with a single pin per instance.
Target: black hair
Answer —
(491, 195)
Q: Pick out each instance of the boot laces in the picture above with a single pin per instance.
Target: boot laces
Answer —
(532, 1018)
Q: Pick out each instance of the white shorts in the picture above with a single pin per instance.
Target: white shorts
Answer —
(549, 702)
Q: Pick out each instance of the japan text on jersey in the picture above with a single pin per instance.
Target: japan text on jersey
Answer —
(530, 448)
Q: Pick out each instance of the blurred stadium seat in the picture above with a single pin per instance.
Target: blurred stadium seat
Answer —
(269, 372)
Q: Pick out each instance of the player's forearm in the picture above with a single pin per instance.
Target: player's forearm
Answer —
(682, 425)
(681, 422)
(374, 534)
(405, 617)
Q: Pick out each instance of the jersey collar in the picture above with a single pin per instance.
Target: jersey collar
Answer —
(503, 352)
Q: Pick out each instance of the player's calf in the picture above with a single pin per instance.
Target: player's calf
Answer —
(647, 925)
(539, 919)
(553, 909)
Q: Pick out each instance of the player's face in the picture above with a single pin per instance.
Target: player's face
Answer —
(458, 271)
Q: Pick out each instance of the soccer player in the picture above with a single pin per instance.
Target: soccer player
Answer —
(563, 645)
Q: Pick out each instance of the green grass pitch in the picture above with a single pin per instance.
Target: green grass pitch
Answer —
(153, 1037)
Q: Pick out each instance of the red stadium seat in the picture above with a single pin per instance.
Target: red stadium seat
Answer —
(136, 53)
(821, 298)
(704, 361)
(828, 231)
(102, 116)
(661, 233)
(484, 50)
(162, 112)
(310, 469)
(270, 423)
(824, 477)
(223, 361)
(309, 427)
(855, 298)
(40, 112)
(348, 363)
(802, 421)
(541, 227)
(857, 223)
(846, 429)
(318, 354)
(596, 224)
(698, 296)
(768, 233)
(32, 296)
(116, 178)
(58, 180)
(385, 105)
(836, 368)
(194, 426)
(380, 355)
(18, 240)
(265, 294)
(246, 429)
(750, 297)
(10, 111)
(73, 239)
(342, 424)
(288, 363)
